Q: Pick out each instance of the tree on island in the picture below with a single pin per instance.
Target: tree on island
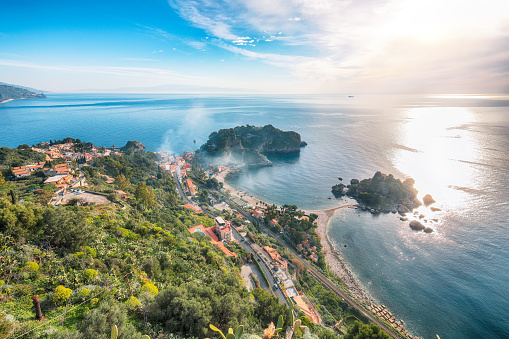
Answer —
(382, 192)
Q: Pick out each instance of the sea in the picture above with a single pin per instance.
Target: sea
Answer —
(453, 282)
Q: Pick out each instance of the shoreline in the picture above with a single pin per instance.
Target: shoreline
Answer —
(3, 102)
(334, 260)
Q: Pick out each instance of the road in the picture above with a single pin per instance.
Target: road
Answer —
(245, 245)
(325, 281)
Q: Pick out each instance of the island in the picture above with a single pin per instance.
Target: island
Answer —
(381, 193)
(245, 145)
(8, 93)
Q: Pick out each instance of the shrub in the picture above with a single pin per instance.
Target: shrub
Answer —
(85, 292)
(150, 288)
(90, 274)
(132, 303)
(90, 251)
(31, 266)
(62, 294)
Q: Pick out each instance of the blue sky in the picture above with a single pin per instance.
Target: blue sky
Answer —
(263, 46)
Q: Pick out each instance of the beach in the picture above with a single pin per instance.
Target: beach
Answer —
(332, 258)
(237, 193)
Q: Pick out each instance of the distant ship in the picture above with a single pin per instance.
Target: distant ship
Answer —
(350, 96)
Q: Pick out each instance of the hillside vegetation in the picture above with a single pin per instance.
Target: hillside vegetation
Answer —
(10, 92)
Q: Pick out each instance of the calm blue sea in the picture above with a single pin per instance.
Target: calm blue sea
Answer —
(453, 282)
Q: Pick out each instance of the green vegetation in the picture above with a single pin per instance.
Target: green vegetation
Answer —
(364, 331)
(11, 92)
(245, 144)
(19, 156)
(382, 192)
(298, 229)
(134, 266)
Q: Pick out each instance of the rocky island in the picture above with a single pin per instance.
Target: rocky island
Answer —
(245, 145)
(381, 193)
(8, 93)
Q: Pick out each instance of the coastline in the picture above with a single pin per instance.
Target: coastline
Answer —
(3, 102)
(333, 259)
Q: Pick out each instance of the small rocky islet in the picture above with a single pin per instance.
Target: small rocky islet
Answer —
(385, 193)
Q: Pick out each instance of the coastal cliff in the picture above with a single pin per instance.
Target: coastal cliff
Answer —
(244, 145)
(133, 147)
(12, 93)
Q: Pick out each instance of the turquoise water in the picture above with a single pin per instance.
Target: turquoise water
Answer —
(453, 282)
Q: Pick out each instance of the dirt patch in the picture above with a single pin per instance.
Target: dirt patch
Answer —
(86, 198)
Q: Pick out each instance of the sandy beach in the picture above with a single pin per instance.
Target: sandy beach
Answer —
(234, 192)
(332, 258)
(3, 102)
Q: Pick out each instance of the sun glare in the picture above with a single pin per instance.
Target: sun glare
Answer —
(441, 150)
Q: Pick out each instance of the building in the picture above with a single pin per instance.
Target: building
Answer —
(190, 187)
(223, 228)
(258, 214)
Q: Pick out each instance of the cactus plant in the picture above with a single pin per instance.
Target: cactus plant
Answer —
(230, 334)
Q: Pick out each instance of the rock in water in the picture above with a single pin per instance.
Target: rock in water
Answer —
(428, 230)
(416, 225)
(338, 190)
(428, 200)
(354, 181)
(402, 209)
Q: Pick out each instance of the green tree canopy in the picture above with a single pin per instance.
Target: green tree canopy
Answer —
(366, 331)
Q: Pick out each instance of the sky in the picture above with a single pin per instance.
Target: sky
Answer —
(257, 46)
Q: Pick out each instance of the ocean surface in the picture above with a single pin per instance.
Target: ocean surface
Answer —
(453, 282)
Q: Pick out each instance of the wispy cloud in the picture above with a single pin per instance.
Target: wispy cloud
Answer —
(365, 45)
(140, 59)
(141, 72)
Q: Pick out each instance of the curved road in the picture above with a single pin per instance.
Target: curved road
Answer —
(245, 245)
(326, 282)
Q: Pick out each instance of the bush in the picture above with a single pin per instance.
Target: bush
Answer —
(85, 292)
(66, 228)
(90, 251)
(90, 274)
(31, 266)
(132, 303)
(62, 294)
(150, 288)
(98, 322)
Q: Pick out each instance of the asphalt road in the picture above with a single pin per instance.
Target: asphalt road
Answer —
(325, 281)
(245, 245)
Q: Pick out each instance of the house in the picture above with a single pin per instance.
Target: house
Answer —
(60, 180)
(21, 172)
(190, 187)
(209, 231)
(223, 228)
(258, 214)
